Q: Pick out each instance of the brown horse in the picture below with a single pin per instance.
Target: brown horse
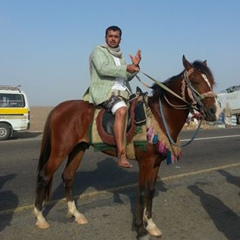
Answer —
(66, 135)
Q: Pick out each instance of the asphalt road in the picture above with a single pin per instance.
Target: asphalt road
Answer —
(197, 198)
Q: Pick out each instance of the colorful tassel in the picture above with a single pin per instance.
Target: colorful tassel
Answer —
(169, 158)
(155, 139)
(152, 138)
(149, 134)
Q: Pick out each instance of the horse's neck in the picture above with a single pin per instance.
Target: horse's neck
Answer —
(174, 119)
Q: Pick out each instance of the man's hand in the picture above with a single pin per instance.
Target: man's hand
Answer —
(136, 59)
(132, 68)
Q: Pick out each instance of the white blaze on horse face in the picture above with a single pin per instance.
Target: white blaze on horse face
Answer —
(218, 108)
(206, 80)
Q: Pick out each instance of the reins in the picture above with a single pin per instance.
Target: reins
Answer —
(163, 87)
(168, 133)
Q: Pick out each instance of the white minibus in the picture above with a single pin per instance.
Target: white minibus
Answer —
(14, 111)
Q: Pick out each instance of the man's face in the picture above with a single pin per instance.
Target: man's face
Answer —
(113, 38)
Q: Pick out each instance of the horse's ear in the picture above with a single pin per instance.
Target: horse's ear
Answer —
(187, 65)
(205, 63)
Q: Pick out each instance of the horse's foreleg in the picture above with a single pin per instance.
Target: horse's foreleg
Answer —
(147, 217)
(142, 233)
(148, 171)
(151, 227)
(144, 171)
(68, 179)
(144, 221)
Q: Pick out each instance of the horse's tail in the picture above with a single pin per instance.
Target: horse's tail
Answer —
(44, 156)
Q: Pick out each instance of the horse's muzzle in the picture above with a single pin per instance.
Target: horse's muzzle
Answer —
(211, 114)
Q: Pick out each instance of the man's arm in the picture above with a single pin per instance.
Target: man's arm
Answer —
(105, 66)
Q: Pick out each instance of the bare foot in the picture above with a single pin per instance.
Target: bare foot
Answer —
(122, 160)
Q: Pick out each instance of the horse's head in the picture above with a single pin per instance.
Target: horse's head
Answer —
(199, 83)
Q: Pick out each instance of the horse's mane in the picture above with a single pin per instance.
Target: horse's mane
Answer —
(203, 68)
(157, 91)
(200, 66)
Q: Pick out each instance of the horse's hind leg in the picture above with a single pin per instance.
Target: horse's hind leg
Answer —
(44, 183)
(68, 178)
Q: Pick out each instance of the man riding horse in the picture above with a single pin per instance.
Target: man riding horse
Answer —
(110, 88)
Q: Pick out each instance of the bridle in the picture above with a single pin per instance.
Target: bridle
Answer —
(193, 94)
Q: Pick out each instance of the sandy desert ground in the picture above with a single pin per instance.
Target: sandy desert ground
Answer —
(38, 118)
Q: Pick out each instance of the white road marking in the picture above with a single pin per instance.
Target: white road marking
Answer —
(210, 138)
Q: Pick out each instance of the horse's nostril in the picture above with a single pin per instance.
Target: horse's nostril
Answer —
(212, 110)
(210, 114)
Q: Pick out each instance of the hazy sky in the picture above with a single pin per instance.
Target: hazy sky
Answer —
(45, 44)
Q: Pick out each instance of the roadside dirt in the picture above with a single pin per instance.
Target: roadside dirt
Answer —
(38, 117)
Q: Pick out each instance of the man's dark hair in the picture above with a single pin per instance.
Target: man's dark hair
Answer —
(113, 28)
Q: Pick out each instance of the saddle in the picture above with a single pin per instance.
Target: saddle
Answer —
(142, 129)
(104, 120)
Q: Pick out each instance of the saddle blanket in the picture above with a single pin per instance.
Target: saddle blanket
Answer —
(138, 138)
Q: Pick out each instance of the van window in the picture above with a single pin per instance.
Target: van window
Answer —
(12, 100)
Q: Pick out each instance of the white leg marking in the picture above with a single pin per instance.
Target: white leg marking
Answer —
(151, 226)
(72, 210)
(41, 221)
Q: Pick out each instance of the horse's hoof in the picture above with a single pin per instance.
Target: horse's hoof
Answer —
(42, 225)
(152, 228)
(154, 231)
(81, 220)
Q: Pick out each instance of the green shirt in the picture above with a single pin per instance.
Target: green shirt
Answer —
(103, 72)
